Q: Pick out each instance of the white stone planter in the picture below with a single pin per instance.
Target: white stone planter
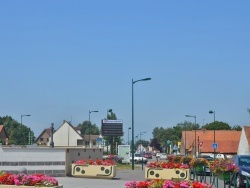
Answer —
(167, 174)
(93, 171)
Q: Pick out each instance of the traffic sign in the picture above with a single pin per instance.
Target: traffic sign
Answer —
(215, 146)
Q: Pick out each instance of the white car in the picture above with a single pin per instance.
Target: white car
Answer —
(138, 158)
(158, 155)
(163, 156)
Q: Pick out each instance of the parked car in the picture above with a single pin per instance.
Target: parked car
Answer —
(147, 155)
(157, 155)
(163, 156)
(138, 158)
(243, 163)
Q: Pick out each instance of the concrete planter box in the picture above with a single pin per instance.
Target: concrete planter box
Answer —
(93, 171)
(20, 186)
(167, 174)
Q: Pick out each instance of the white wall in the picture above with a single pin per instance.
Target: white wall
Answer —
(50, 161)
(243, 148)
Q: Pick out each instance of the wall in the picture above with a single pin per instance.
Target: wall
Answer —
(50, 161)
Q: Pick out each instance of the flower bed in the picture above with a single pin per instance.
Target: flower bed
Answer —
(94, 169)
(167, 171)
(22, 180)
(198, 162)
(221, 166)
(159, 183)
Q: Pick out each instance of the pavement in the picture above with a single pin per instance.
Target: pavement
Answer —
(119, 181)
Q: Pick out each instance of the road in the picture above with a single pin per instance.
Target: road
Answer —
(122, 176)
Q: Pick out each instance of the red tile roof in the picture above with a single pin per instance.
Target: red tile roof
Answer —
(227, 140)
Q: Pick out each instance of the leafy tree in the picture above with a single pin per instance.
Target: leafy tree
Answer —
(217, 125)
(17, 134)
(143, 142)
(162, 135)
(155, 144)
(84, 126)
(237, 128)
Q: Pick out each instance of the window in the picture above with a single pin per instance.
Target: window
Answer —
(41, 139)
(94, 143)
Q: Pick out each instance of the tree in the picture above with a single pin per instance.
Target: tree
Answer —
(17, 134)
(217, 125)
(248, 110)
(237, 128)
(84, 126)
(155, 144)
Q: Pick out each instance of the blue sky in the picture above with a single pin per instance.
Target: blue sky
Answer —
(60, 59)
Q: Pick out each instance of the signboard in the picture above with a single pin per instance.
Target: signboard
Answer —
(215, 146)
(124, 152)
(112, 127)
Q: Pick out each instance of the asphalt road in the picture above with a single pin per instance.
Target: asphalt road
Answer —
(122, 176)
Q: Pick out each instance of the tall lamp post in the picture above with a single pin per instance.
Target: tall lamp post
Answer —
(89, 124)
(185, 139)
(22, 125)
(141, 133)
(128, 135)
(213, 112)
(194, 133)
(133, 143)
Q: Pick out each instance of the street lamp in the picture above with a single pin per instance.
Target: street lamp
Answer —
(89, 124)
(133, 143)
(185, 139)
(109, 110)
(213, 112)
(141, 133)
(128, 135)
(194, 133)
(22, 125)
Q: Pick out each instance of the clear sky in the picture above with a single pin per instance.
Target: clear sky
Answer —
(60, 59)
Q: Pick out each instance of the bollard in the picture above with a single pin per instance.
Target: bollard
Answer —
(142, 164)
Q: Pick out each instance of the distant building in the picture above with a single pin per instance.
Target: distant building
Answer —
(227, 141)
(67, 135)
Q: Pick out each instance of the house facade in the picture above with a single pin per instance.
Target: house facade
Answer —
(44, 137)
(68, 135)
(227, 142)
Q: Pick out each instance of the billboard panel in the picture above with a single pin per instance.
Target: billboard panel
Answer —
(112, 127)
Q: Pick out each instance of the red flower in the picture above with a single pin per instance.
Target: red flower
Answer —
(142, 184)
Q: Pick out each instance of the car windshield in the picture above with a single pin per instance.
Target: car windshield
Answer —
(244, 161)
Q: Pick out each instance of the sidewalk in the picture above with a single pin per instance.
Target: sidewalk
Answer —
(122, 176)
